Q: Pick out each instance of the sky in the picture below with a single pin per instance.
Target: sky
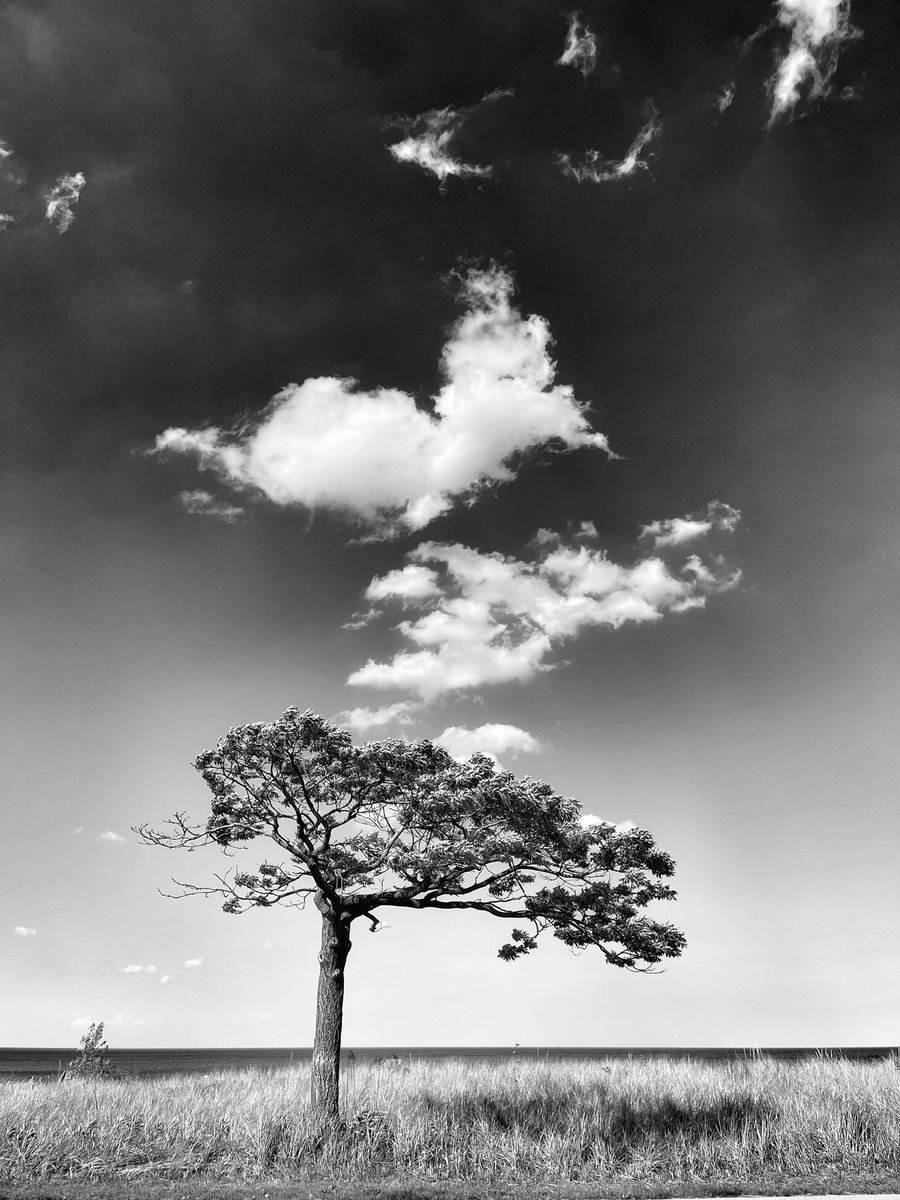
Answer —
(515, 376)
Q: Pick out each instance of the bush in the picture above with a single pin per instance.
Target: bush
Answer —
(91, 1058)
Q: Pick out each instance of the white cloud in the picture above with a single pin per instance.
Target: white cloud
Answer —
(376, 455)
(595, 168)
(164, 979)
(678, 530)
(497, 619)
(412, 582)
(819, 29)
(117, 1019)
(207, 505)
(589, 821)
(250, 1018)
(430, 137)
(725, 98)
(137, 969)
(193, 962)
(358, 720)
(581, 47)
(61, 200)
(24, 931)
(492, 740)
(109, 836)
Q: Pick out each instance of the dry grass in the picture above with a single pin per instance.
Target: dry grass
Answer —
(620, 1123)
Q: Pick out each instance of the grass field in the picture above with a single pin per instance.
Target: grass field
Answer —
(637, 1127)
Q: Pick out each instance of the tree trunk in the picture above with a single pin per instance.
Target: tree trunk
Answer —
(326, 1060)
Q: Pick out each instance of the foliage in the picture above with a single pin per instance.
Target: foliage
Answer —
(402, 824)
(91, 1059)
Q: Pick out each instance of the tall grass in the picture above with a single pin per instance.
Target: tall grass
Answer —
(625, 1120)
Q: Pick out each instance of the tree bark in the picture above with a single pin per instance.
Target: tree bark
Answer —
(326, 1061)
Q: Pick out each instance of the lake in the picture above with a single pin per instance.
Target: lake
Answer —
(19, 1062)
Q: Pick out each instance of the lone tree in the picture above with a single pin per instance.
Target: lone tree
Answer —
(401, 824)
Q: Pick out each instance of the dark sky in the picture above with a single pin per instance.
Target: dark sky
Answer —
(727, 310)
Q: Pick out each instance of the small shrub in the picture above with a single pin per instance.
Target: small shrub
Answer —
(91, 1058)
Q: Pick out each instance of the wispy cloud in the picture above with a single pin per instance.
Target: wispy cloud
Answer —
(360, 720)
(250, 1018)
(497, 619)
(378, 457)
(164, 979)
(193, 962)
(62, 199)
(207, 505)
(493, 740)
(581, 47)
(819, 30)
(137, 969)
(430, 137)
(116, 1019)
(109, 836)
(725, 98)
(677, 530)
(596, 168)
(24, 931)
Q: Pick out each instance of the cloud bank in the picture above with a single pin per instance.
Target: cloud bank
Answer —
(595, 168)
(819, 30)
(487, 618)
(378, 457)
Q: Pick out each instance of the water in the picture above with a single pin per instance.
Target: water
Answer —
(18, 1063)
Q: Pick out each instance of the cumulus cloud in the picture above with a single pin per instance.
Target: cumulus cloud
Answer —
(137, 969)
(24, 931)
(492, 740)
(595, 168)
(110, 836)
(581, 47)
(62, 199)
(193, 962)
(207, 505)
(359, 720)
(819, 30)
(378, 457)
(497, 619)
(430, 137)
(164, 979)
(678, 530)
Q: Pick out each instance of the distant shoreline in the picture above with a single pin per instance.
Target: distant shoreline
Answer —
(45, 1062)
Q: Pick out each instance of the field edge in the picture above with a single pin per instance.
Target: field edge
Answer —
(117, 1188)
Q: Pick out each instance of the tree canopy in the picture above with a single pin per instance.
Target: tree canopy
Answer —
(396, 823)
